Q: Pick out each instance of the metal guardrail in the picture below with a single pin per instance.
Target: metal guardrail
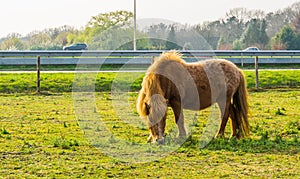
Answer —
(142, 56)
(189, 53)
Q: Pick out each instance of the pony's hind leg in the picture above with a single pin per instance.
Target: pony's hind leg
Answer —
(225, 110)
(235, 132)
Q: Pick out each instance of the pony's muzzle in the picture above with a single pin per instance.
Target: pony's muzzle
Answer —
(151, 139)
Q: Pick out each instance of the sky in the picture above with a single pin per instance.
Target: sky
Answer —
(25, 16)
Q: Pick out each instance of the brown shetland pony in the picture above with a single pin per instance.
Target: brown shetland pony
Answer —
(170, 81)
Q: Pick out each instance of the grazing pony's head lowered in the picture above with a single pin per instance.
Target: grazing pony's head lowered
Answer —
(151, 102)
(152, 106)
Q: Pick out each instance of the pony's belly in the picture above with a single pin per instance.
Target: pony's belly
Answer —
(196, 106)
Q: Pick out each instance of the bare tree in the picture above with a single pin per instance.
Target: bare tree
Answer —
(240, 14)
(296, 24)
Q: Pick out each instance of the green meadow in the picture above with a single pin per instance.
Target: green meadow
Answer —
(63, 82)
(86, 126)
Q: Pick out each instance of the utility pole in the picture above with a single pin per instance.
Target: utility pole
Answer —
(134, 30)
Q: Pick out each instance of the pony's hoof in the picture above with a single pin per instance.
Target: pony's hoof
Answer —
(220, 136)
(237, 137)
(182, 136)
(160, 141)
(181, 139)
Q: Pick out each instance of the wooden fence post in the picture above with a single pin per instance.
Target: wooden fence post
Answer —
(242, 60)
(38, 68)
(256, 72)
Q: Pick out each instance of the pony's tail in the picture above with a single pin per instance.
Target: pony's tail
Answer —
(240, 107)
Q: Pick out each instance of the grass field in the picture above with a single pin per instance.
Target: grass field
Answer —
(43, 135)
(62, 82)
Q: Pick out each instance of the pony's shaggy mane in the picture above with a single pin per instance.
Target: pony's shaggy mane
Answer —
(162, 66)
(150, 84)
(172, 55)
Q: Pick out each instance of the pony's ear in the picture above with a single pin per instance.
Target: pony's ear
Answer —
(147, 108)
(154, 59)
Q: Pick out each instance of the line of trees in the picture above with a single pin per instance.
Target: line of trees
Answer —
(239, 29)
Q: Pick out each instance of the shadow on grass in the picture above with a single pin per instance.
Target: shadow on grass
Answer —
(277, 89)
(262, 145)
(33, 93)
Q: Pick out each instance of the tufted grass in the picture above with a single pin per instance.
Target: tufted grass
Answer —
(40, 136)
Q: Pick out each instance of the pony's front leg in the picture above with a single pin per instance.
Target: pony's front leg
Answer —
(161, 130)
(180, 124)
(179, 118)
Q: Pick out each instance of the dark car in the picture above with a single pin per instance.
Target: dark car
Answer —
(77, 46)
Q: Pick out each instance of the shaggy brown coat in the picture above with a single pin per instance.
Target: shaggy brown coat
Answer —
(170, 81)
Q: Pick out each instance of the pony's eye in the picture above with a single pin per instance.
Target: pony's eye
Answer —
(147, 108)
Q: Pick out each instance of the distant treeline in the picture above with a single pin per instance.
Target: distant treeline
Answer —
(240, 28)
